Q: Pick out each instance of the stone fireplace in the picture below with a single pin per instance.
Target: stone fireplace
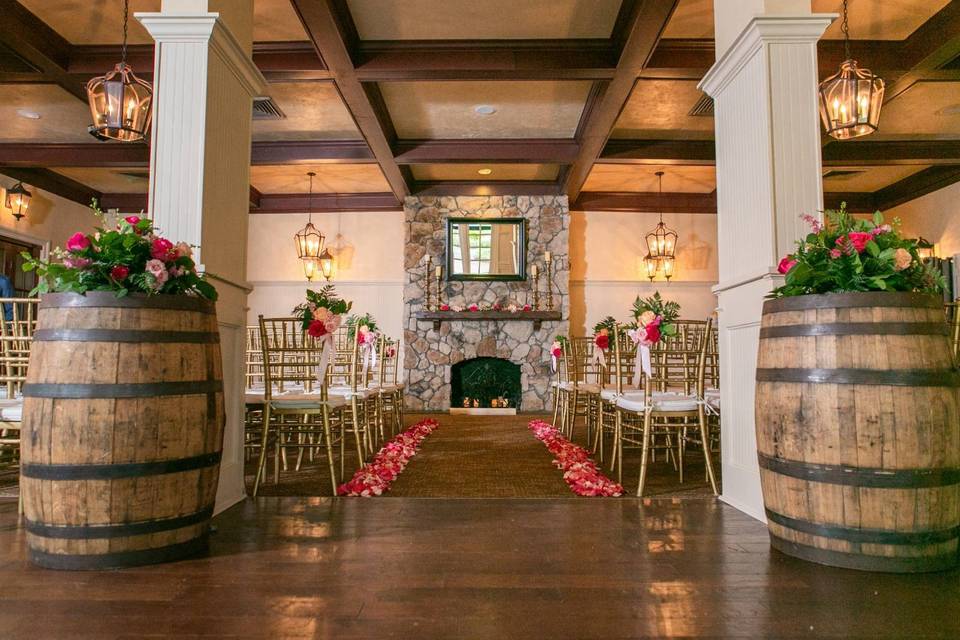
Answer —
(430, 352)
(478, 381)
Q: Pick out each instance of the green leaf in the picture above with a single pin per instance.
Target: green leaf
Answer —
(873, 249)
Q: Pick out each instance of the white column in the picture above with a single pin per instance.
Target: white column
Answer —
(204, 82)
(768, 174)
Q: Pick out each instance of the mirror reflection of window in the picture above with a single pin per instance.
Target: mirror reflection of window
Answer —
(482, 248)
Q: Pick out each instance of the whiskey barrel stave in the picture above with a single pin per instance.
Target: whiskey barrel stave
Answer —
(858, 431)
(123, 427)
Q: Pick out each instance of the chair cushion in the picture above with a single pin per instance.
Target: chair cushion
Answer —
(712, 397)
(348, 393)
(306, 401)
(11, 410)
(253, 397)
(611, 394)
(661, 402)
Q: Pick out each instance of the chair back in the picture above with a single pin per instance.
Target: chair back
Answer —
(254, 358)
(585, 367)
(290, 357)
(389, 360)
(953, 319)
(624, 360)
(16, 338)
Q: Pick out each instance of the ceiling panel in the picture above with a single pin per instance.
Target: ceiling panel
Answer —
(866, 179)
(470, 172)
(101, 21)
(925, 109)
(869, 19)
(330, 178)
(631, 177)
(63, 118)
(491, 19)
(660, 109)
(541, 109)
(314, 111)
(132, 180)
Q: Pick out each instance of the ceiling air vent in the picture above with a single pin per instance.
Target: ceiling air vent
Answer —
(266, 109)
(842, 173)
(703, 107)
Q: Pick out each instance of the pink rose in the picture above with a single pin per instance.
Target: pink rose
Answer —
(444, 307)
(132, 220)
(75, 262)
(859, 239)
(332, 324)
(835, 253)
(527, 307)
(159, 272)
(120, 272)
(78, 242)
(786, 263)
(473, 307)
(184, 250)
(162, 249)
(902, 259)
(883, 228)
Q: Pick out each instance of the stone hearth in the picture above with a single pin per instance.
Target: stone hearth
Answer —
(429, 353)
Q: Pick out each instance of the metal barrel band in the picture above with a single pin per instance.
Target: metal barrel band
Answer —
(102, 299)
(903, 564)
(179, 551)
(101, 531)
(895, 378)
(864, 536)
(86, 391)
(116, 471)
(868, 477)
(852, 301)
(125, 335)
(857, 329)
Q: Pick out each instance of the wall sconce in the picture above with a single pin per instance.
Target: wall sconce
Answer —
(926, 249)
(17, 200)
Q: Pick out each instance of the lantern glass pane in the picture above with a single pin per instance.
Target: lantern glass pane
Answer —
(850, 102)
(121, 105)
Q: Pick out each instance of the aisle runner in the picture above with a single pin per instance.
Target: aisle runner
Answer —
(579, 471)
(376, 477)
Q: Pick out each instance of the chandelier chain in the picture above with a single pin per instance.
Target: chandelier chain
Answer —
(310, 200)
(845, 28)
(126, 13)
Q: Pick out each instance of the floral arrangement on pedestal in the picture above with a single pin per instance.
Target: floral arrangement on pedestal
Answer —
(654, 318)
(323, 311)
(131, 257)
(849, 254)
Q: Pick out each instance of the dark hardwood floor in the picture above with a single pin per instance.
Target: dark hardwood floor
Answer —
(474, 568)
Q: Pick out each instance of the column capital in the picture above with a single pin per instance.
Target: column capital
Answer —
(759, 32)
(206, 28)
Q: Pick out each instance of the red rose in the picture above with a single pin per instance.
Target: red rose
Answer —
(132, 220)
(527, 307)
(78, 242)
(317, 329)
(162, 249)
(444, 307)
(602, 341)
(786, 264)
(119, 272)
(653, 332)
(860, 239)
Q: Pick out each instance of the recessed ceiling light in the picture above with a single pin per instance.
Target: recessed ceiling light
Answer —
(484, 110)
(484, 172)
(26, 113)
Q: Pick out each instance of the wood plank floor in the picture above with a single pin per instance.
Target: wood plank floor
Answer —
(474, 568)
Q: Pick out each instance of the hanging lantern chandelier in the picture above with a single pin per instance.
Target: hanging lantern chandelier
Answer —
(661, 243)
(17, 200)
(310, 242)
(850, 100)
(121, 103)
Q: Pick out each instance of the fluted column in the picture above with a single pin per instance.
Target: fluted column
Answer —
(204, 82)
(768, 174)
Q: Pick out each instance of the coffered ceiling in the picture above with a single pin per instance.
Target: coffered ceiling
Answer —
(584, 97)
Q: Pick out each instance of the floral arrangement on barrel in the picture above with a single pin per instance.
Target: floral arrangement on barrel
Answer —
(654, 318)
(131, 257)
(850, 254)
(323, 311)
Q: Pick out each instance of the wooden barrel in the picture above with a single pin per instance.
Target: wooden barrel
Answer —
(122, 430)
(858, 431)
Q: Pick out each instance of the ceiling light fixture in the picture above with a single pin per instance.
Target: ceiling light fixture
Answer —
(850, 100)
(661, 243)
(484, 110)
(309, 240)
(29, 115)
(121, 103)
(484, 172)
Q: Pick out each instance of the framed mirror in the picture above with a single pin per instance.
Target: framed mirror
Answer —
(486, 249)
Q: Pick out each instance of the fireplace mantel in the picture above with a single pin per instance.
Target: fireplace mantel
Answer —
(536, 317)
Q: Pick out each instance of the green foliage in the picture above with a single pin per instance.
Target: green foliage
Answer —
(325, 298)
(668, 310)
(851, 254)
(129, 258)
(609, 323)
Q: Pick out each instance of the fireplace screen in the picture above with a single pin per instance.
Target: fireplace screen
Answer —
(485, 382)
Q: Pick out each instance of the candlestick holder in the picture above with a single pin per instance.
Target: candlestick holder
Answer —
(439, 298)
(426, 298)
(536, 291)
(549, 266)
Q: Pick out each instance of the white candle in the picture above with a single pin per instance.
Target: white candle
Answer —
(533, 271)
(546, 256)
(439, 271)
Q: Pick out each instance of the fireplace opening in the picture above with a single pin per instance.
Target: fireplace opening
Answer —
(485, 383)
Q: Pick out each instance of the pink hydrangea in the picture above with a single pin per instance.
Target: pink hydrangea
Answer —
(158, 270)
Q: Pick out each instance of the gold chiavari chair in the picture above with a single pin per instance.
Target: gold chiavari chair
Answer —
(561, 383)
(297, 409)
(389, 386)
(616, 385)
(348, 379)
(671, 402)
(711, 391)
(588, 375)
(953, 319)
(16, 338)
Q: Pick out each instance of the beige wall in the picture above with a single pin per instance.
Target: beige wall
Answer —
(935, 216)
(369, 263)
(606, 249)
(50, 219)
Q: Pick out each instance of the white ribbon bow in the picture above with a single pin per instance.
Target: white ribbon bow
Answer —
(326, 346)
(642, 362)
(368, 355)
(599, 358)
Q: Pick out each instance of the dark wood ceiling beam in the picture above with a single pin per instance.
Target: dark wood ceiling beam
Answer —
(646, 22)
(656, 152)
(124, 202)
(255, 197)
(935, 43)
(490, 188)
(117, 155)
(54, 183)
(38, 45)
(326, 202)
(332, 37)
(518, 150)
(646, 202)
(385, 61)
(917, 185)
